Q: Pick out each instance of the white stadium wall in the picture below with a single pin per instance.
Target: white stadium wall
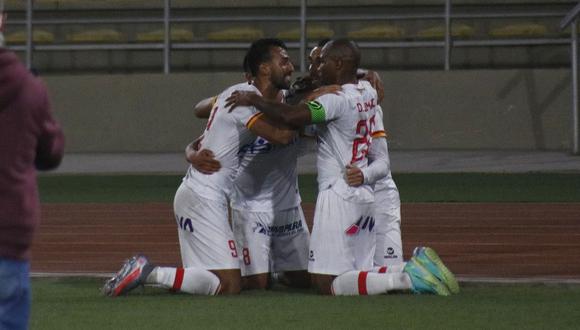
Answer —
(478, 109)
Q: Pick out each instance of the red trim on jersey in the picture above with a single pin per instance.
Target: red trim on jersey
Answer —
(383, 270)
(178, 279)
(362, 283)
(253, 119)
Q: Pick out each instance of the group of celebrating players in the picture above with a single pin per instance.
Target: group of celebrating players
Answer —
(245, 165)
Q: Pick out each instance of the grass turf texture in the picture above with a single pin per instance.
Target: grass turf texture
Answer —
(460, 187)
(77, 304)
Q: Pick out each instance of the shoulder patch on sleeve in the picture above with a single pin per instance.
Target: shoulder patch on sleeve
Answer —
(317, 112)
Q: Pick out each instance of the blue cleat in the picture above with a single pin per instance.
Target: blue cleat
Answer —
(423, 281)
(429, 259)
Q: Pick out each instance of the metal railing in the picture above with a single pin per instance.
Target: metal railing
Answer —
(168, 19)
(447, 44)
(571, 20)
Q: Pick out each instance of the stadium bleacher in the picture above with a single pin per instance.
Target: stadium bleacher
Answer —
(393, 35)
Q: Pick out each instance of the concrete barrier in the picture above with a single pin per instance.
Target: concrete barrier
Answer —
(479, 109)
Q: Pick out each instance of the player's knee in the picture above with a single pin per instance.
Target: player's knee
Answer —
(230, 282)
(256, 282)
(322, 283)
(230, 287)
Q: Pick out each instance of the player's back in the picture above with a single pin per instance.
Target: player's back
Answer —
(345, 137)
(225, 134)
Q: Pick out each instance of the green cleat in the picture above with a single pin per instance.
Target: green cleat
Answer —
(429, 259)
(423, 281)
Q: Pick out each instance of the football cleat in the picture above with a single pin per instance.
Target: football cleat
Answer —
(423, 281)
(133, 274)
(429, 259)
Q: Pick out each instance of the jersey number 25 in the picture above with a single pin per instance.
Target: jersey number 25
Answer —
(361, 144)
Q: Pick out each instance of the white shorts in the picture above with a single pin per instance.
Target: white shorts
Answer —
(343, 237)
(271, 242)
(205, 237)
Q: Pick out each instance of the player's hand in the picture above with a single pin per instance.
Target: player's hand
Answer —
(375, 80)
(354, 176)
(240, 98)
(330, 89)
(204, 161)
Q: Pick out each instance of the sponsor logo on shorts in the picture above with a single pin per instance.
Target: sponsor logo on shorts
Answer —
(311, 256)
(184, 223)
(363, 223)
(278, 231)
(390, 253)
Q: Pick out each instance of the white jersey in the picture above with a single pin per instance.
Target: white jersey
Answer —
(344, 138)
(268, 181)
(225, 134)
(385, 185)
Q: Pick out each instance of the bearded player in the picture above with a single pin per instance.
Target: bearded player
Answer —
(342, 242)
(210, 257)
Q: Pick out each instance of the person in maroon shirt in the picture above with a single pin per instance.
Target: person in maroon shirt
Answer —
(30, 140)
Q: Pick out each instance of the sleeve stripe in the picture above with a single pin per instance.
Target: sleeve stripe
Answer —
(213, 100)
(253, 119)
(378, 134)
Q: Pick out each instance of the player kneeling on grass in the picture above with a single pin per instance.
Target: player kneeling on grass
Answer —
(209, 253)
(343, 241)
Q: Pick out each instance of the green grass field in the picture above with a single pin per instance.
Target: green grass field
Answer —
(75, 303)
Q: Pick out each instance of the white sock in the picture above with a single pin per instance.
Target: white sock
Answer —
(355, 283)
(398, 268)
(189, 280)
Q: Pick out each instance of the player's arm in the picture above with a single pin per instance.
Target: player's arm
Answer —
(273, 133)
(202, 160)
(294, 116)
(378, 155)
(203, 108)
(378, 168)
(380, 164)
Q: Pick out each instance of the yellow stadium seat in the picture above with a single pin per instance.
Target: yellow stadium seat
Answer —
(378, 32)
(97, 36)
(312, 33)
(566, 32)
(236, 34)
(38, 37)
(519, 30)
(177, 35)
(438, 32)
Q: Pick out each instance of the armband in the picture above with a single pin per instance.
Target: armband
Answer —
(317, 112)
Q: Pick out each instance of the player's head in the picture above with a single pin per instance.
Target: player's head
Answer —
(314, 58)
(268, 58)
(339, 61)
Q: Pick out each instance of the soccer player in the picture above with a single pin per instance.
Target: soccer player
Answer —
(210, 256)
(267, 219)
(342, 242)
